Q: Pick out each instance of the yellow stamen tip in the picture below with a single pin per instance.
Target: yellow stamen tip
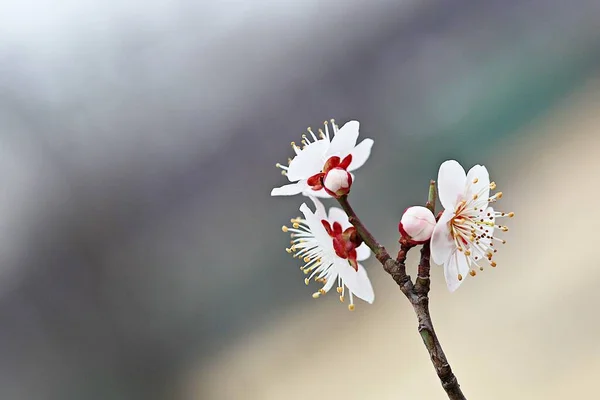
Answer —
(306, 259)
(289, 251)
(499, 195)
(322, 291)
(511, 214)
(316, 295)
(284, 228)
(296, 225)
(306, 281)
(475, 180)
(472, 272)
(493, 263)
(351, 307)
(460, 277)
(339, 289)
(342, 299)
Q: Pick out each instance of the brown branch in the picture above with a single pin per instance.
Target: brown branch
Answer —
(417, 294)
(420, 303)
(395, 269)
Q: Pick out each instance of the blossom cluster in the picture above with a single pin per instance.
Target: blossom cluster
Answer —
(462, 238)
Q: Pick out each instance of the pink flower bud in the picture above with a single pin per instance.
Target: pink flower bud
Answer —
(417, 224)
(337, 182)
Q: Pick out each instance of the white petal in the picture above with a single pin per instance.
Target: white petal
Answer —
(291, 189)
(316, 193)
(456, 264)
(309, 161)
(363, 252)
(331, 280)
(344, 140)
(337, 179)
(451, 183)
(482, 186)
(316, 228)
(486, 241)
(357, 281)
(319, 208)
(360, 154)
(442, 244)
(338, 215)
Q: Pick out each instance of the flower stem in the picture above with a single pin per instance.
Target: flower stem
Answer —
(417, 294)
(395, 269)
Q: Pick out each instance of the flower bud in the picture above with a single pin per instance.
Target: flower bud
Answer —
(337, 182)
(417, 224)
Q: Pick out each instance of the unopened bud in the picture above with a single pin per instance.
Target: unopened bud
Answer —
(417, 224)
(337, 182)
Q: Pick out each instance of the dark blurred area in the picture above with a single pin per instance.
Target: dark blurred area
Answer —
(137, 151)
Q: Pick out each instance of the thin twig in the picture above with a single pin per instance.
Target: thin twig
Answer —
(417, 294)
(395, 269)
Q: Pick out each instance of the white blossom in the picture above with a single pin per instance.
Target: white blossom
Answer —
(464, 238)
(308, 168)
(327, 246)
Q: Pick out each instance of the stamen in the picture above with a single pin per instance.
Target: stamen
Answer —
(351, 307)
(284, 228)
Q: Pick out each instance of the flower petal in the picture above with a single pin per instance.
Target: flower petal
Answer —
(321, 193)
(338, 215)
(455, 265)
(451, 183)
(357, 281)
(344, 140)
(486, 241)
(308, 161)
(442, 244)
(331, 280)
(363, 252)
(319, 208)
(481, 187)
(360, 154)
(316, 228)
(291, 189)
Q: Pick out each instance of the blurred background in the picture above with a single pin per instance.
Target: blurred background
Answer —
(141, 255)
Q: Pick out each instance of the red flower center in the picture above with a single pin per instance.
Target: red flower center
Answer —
(344, 242)
(316, 181)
